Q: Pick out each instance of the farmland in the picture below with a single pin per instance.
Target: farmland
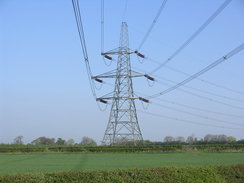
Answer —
(53, 162)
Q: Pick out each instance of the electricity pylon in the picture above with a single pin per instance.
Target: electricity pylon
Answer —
(123, 122)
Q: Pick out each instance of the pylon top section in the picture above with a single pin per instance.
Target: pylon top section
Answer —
(124, 37)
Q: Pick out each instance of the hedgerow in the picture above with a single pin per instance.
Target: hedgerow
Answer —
(141, 148)
(220, 174)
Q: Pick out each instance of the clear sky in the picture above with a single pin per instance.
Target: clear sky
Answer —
(44, 88)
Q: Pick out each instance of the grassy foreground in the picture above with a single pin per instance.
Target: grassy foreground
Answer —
(53, 162)
(219, 174)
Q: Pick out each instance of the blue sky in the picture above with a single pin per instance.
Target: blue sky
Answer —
(44, 90)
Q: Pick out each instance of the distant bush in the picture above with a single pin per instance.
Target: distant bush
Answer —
(220, 174)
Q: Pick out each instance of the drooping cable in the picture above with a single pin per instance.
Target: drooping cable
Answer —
(194, 35)
(205, 81)
(209, 67)
(195, 94)
(197, 115)
(83, 43)
(152, 25)
(200, 90)
(157, 77)
(199, 79)
(207, 98)
(201, 109)
(197, 108)
(186, 121)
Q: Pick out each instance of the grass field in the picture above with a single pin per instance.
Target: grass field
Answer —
(52, 162)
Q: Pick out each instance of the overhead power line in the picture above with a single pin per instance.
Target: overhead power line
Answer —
(152, 24)
(186, 121)
(83, 43)
(199, 79)
(197, 115)
(205, 97)
(196, 94)
(200, 90)
(194, 35)
(205, 81)
(157, 79)
(194, 108)
(214, 64)
(201, 109)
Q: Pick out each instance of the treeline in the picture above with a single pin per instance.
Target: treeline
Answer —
(168, 140)
(217, 174)
(207, 139)
(210, 143)
(51, 141)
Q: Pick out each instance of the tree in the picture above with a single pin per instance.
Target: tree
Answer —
(169, 139)
(88, 141)
(18, 140)
(231, 139)
(222, 138)
(180, 139)
(70, 142)
(215, 138)
(43, 141)
(191, 139)
(208, 138)
(60, 142)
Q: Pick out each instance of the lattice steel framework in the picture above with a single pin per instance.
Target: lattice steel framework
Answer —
(123, 124)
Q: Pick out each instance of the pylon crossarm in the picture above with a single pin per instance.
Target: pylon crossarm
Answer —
(117, 98)
(102, 99)
(113, 74)
(118, 51)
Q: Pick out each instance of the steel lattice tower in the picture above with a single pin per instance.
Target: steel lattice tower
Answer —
(123, 123)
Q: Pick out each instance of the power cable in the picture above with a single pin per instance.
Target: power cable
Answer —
(196, 115)
(200, 109)
(78, 19)
(197, 95)
(202, 91)
(205, 81)
(209, 67)
(194, 35)
(199, 79)
(204, 97)
(152, 24)
(196, 108)
(187, 121)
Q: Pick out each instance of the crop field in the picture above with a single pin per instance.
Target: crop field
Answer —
(52, 162)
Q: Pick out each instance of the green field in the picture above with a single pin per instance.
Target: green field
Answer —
(52, 162)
